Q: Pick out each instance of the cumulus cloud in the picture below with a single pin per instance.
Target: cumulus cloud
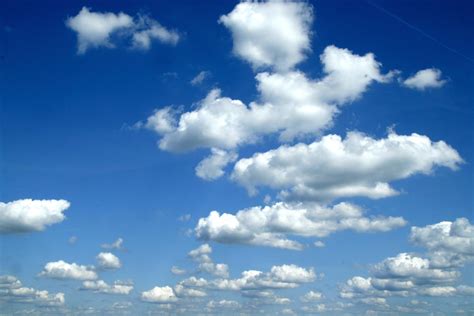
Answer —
(97, 29)
(424, 79)
(449, 243)
(270, 34)
(291, 105)
(158, 294)
(222, 304)
(325, 169)
(312, 296)
(63, 270)
(29, 215)
(101, 286)
(12, 290)
(202, 256)
(212, 167)
(107, 260)
(270, 225)
(117, 245)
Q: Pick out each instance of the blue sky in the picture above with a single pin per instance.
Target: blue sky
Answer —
(351, 120)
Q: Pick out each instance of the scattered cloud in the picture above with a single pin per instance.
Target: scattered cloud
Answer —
(270, 225)
(97, 29)
(12, 291)
(211, 168)
(72, 240)
(424, 79)
(200, 78)
(29, 215)
(117, 245)
(101, 286)
(63, 270)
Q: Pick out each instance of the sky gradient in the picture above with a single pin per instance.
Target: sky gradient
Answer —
(255, 158)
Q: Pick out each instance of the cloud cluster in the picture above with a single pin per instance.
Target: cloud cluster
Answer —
(31, 215)
(159, 295)
(12, 290)
(409, 274)
(202, 256)
(96, 29)
(332, 167)
(271, 225)
(424, 79)
(63, 270)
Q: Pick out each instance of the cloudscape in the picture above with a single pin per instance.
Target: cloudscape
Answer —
(270, 157)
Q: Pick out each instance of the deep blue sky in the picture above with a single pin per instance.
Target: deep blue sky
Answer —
(65, 133)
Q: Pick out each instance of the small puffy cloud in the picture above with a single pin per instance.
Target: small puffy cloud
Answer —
(97, 29)
(31, 215)
(324, 169)
(101, 286)
(182, 291)
(63, 270)
(115, 245)
(212, 167)
(312, 296)
(158, 294)
(72, 240)
(438, 291)
(319, 244)
(270, 34)
(177, 271)
(270, 225)
(184, 218)
(199, 78)
(202, 255)
(107, 260)
(424, 79)
(12, 290)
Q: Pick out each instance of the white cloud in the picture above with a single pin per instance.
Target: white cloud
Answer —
(406, 265)
(423, 79)
(199, 78)
(107, 260)
(115, 245)
(72, 240)
(184, 218)
(324, 169)
(158, 294)
(212, 167)
(291, 104)
(96, 29)
(149, 29)
(177, 271)
(272, 33)
(319, 244)
(12, 290)
(312, 296)
(63, 270)
(438, 291)
(101, 286)
(270, 225)
(29, 215)
(279, 277)
(222, 304)
(449, 243)
(182, 291)
(202, 255)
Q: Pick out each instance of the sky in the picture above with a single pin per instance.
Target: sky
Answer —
(236, 158)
